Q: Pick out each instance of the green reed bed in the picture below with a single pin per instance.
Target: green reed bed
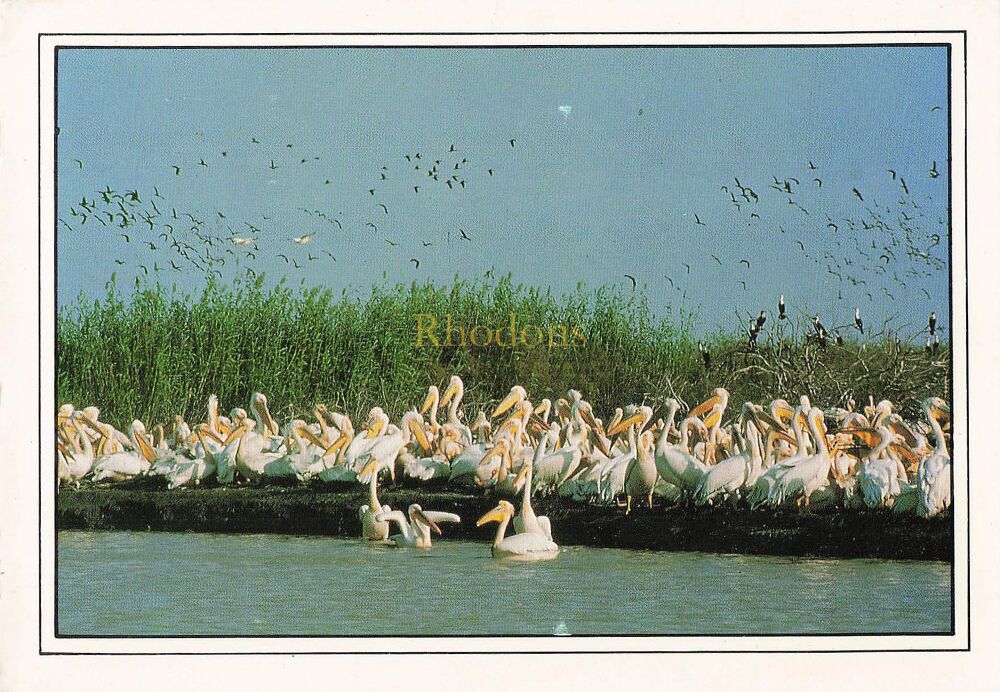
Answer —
(163, 352)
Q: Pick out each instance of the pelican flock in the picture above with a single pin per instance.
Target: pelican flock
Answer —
(772, 456)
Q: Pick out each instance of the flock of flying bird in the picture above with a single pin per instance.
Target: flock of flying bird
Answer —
(775, 456)
(178, 240)
(885, 246)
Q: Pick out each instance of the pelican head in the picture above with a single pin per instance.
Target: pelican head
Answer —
(433, 397)
(502, 512)
(456, 388)
(416, 514)
(516, 396)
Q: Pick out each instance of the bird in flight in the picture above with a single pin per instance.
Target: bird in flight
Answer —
(80, 163)
(512, 143)
(201, 162)
(304, 239)
(717, 260)
(272, 166)
(425, 243)
(490, 171)
(819, 183)
(857, 194)
(416, 262)
(698, 221)
(416, 188)
(384, 208)
(392, 244)
(934, 171)
(632, 279)
(464, 234)
(687, 267)
(902, 184)
(177, 170)
(892, 172)
(935, 108)
(746, 262)
(812, 166)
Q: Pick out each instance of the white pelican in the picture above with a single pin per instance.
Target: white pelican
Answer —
(640, 472)
(555, 468)
(374, 524)
(526, 520)
(806, 475)
(121, 466)
(712, 409)
(934, 472)
(452, 398)
(729, 475)
(78, 459)
(523, 546)
(674, 462)
(416, 533)
(878, 475)
(376, 426)
(194, 471)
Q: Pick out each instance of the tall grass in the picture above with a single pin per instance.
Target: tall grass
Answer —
(163, 352)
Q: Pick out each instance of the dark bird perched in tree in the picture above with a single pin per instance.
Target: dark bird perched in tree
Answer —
(706, 357)
(632, 279)
(821, 332)
(752, 335)
(927, 346)
(761, 319)
(937, 343)
(857, 320)
(932, 323)
(781, 308)
(839, 339)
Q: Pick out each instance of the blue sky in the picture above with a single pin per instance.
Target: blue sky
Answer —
(610, 188)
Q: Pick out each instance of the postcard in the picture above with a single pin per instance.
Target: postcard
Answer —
(500, 343)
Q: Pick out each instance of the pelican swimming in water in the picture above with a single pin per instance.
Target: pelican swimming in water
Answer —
(373, 515)
(523, 546)
(526, 520)
(416, 533)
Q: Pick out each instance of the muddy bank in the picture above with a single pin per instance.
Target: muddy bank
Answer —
(333, 512)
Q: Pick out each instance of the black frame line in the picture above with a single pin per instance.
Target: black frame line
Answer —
(951, 302)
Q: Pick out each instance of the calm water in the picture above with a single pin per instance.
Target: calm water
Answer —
(161, 583)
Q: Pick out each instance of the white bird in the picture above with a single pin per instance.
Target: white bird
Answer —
(934, 472)
(526, 520)
(675, 464)
(416, 533)
(121, 466)
(728, 476)
(523, 546)
(304, 239)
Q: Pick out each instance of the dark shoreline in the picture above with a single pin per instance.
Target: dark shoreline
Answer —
(332, 511)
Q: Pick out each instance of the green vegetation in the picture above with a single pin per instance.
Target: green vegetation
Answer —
(163, 352)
